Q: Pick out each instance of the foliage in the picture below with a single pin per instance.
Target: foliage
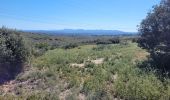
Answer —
(96, 81)
(13, 53)
(12, 46)
(113, 40)
(40, 48)
(53, 75)
(155, 34)
(117, 77)
(70, 46)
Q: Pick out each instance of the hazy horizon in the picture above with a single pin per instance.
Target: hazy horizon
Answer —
(73, 29)
(74, 14)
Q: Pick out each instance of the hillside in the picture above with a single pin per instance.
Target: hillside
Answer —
(88, 72)
(61, 40)
(85, 50)
(83, 32)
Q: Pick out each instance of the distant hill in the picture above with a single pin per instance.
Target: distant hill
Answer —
(82, 32)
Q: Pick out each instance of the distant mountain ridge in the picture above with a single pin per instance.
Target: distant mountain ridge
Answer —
(82, 32)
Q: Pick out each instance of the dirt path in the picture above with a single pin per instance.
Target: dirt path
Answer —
(64, 94)
(77, 65)
(81, 96)
(98, 61)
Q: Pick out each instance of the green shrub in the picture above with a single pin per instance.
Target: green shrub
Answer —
(44, 46)
(13, 53)
(12, 46)
(70, 46)
(115, 40)
(139, 85)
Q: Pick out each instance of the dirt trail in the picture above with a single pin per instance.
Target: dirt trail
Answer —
(11, 86)
(81, 96)
(64, 94)
(97, 62)
(141, 55)
(77, 65)
(7, 87)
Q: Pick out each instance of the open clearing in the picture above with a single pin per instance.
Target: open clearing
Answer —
(90, 71)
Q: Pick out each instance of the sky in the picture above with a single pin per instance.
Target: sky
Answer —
(122, 15)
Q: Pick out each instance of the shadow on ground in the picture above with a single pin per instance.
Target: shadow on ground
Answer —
(153, 65)
(9, 71)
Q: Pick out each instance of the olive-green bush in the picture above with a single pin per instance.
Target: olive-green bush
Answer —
(12, 46)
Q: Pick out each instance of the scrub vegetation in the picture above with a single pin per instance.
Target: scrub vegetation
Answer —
(89, 71)
(36, 66)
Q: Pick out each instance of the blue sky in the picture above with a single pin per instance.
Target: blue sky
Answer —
(122, 15)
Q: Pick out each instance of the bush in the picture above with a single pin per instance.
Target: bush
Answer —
(12, 46)
(135, 40)
(70, 46)
(102, 41)
(140, 88)
(115, 40)
(41, 48)
(154, 30)
(44, 46)
(13, 53)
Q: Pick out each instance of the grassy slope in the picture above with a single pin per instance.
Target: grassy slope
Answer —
(118, 76)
